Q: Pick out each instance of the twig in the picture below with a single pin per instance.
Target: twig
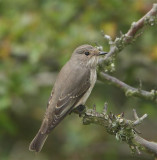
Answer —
(125, 39)
(129, 91)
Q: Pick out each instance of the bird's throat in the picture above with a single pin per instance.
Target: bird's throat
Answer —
(93, 61)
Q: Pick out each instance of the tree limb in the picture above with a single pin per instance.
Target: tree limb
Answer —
(129, 90)
(125, 39)
(122, 128)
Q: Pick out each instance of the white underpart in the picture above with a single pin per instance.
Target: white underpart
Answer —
(92, 63)
(93, 76)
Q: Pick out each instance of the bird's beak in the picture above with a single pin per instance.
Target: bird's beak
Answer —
(102, 53)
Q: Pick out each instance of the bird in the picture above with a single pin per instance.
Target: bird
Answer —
(72, 88)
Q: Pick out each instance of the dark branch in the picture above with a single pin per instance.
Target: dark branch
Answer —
(129, 91)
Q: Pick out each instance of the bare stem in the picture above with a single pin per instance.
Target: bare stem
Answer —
(125, 39)
(129, 91)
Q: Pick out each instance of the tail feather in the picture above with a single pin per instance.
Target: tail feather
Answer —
(38, 142)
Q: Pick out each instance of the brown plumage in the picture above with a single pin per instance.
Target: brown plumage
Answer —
(72, 88)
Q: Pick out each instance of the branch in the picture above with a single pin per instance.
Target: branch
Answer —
(125, 39)
(129, 91)
(148, 145)
(122, 128)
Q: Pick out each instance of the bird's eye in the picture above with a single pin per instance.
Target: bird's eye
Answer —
(86, 53)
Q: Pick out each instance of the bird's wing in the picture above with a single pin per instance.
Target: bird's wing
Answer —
(76, 83)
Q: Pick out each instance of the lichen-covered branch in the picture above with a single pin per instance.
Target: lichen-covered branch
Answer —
(129, 90)
(125, 39)
(122, 128)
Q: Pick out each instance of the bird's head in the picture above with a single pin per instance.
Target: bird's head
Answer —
(87, 55)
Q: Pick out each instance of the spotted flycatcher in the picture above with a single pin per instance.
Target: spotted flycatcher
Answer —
(71, 89)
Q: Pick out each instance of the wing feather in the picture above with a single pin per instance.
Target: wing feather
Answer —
(66, 104)
(66, 95)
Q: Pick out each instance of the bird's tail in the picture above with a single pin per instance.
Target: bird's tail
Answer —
(38, 142)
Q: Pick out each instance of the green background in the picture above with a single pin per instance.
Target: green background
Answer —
(37, 37)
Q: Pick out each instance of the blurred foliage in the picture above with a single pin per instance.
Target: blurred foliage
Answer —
(36, 39)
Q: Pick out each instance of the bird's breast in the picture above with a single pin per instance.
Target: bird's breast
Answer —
(93, 77)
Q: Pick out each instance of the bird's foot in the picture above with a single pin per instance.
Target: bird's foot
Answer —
(79, 110)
